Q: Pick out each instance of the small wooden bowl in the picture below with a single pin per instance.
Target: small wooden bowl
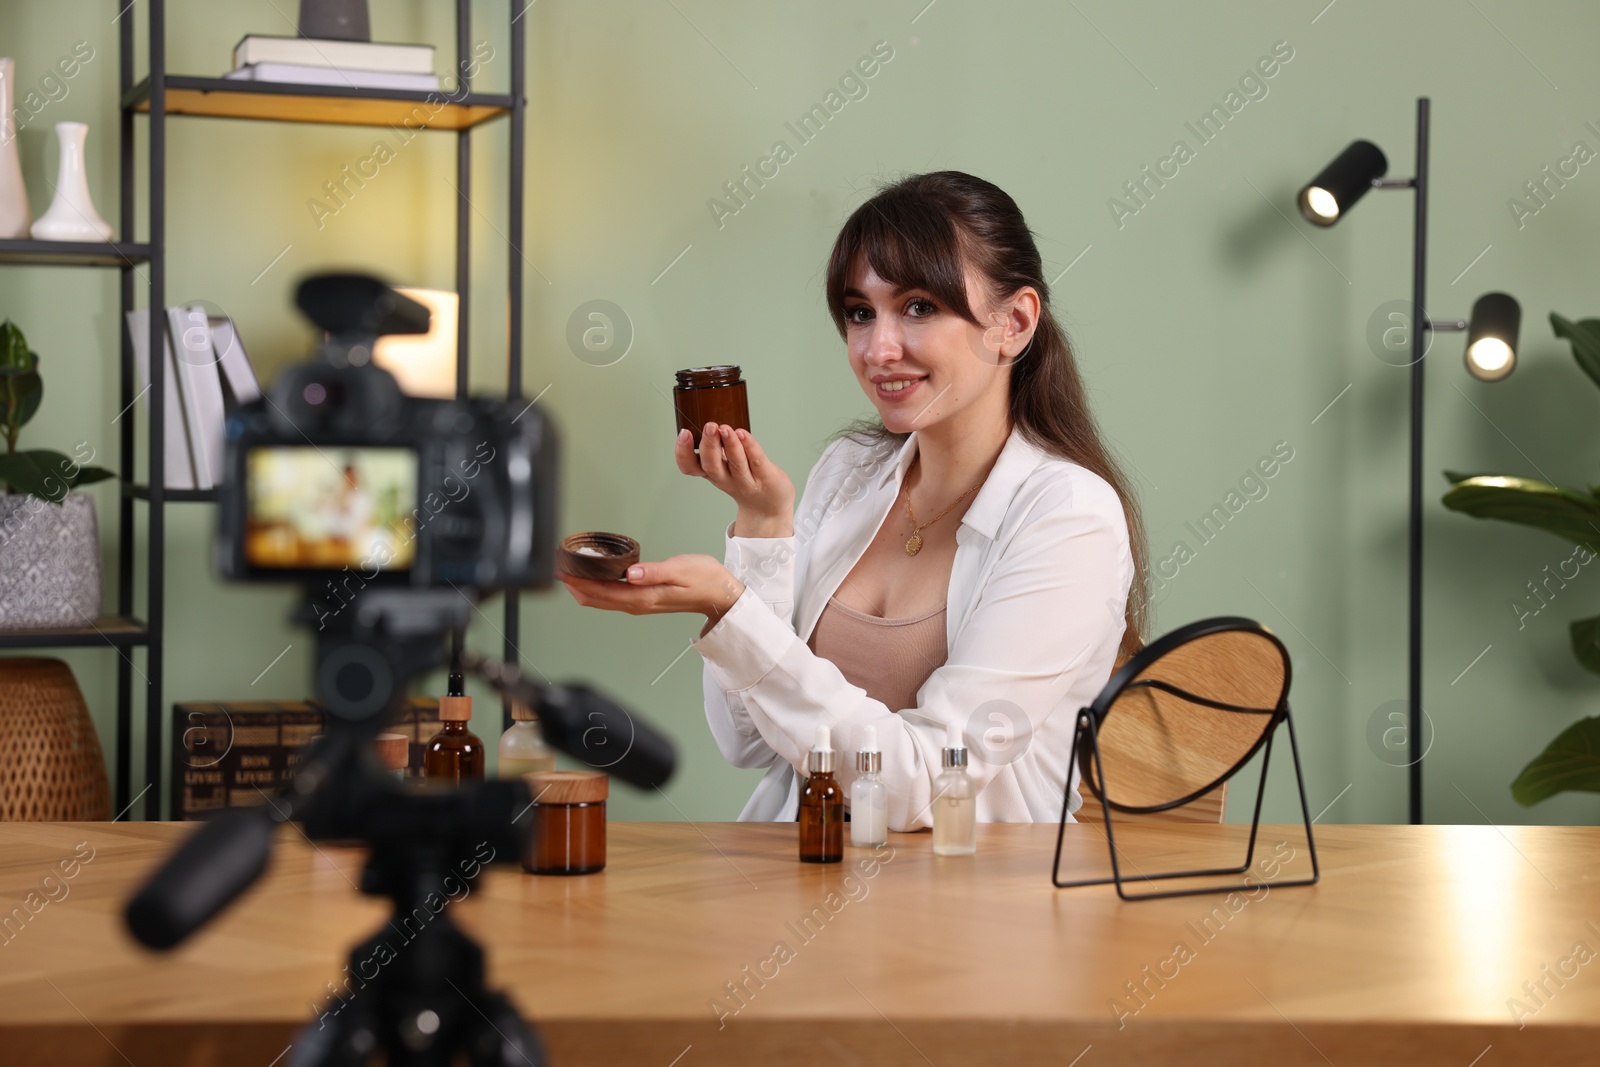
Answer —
(621, 552)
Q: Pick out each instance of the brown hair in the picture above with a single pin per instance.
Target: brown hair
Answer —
(923, 232)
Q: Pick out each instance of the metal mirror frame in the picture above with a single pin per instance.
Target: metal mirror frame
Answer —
(1086, 754)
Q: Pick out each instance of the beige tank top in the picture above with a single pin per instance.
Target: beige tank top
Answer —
(889, 658)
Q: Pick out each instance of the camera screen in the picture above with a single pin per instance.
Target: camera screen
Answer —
(330, 507)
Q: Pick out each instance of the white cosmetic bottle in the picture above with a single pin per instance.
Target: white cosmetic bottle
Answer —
(869, 800)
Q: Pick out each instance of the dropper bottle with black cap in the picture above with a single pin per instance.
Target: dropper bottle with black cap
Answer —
(455, 754)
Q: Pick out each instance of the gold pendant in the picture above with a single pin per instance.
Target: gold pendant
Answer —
(914, 545)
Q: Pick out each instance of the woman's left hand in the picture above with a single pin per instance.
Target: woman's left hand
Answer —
(689, 583)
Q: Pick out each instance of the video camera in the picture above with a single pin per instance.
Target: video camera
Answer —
(337, 479)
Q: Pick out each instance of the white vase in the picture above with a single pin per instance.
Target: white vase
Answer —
(14, 213)
(71, 215)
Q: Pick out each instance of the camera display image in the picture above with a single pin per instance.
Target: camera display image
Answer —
(331, 507)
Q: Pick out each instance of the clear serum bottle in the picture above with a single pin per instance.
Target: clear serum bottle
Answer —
(522, 747)
(821, 806)
(869, 800)
(955, 801)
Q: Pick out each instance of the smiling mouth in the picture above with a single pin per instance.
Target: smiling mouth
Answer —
(898, 390)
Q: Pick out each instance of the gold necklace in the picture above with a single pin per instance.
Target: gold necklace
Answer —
(914, 543)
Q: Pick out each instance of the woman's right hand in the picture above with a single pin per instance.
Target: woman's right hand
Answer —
(732, 461)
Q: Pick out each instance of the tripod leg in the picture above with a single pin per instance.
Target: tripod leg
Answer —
(502, 1037)
(344, 1042)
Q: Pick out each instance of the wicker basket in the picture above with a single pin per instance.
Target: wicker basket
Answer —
(51, 768)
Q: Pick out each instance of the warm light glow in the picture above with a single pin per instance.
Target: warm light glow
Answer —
(1322, 202)
(1489, 358)
(424, 363)
(1481, 874)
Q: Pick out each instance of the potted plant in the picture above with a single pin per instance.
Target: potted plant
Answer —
(49, 545)
(1572, 760)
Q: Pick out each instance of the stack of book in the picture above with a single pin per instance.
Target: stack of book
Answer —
(211, 376)
(236, 753)
(349, 64)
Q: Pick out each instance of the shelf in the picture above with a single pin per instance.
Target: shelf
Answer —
(72, 253)
(172, 496)
(107, 630)
(331, 104)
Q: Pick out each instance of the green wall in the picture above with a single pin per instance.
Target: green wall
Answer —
(1211, 324)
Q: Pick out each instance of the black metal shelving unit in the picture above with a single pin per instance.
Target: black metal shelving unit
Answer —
(158, 96)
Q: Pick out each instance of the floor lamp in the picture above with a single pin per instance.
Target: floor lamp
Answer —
(1491, 354)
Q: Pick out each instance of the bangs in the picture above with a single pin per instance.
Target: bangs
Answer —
(910, 242)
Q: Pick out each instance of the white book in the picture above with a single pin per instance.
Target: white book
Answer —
(348, 55)
(349, 78)
(178, 470)
(237, 372)
(200, 385)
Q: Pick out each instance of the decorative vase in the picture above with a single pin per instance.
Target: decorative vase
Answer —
(51, 766)
(15, 216)
(49, 562)
(71, 215)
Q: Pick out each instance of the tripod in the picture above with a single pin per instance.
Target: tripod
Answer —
(419, 984)
(417, 987)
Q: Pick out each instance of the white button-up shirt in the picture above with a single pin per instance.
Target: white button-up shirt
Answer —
(1034, 621)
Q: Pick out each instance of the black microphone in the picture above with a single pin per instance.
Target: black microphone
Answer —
(219, 861)
(597, 731)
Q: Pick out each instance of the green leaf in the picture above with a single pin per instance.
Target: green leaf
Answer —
(47, 475)
(14, 355)
(1457, 476)
(1563, 512)
(90, 475)
(1585, 337)
(20, 395)
(1586, 642)
(1570, 763)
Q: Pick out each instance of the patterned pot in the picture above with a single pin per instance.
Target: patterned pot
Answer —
(49, 562)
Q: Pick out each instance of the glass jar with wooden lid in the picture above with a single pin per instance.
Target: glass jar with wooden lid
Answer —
(569, 822)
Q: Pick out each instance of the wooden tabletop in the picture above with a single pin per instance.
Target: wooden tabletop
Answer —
(708, 943)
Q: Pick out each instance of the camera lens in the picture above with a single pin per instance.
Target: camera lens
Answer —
(314, 394)
(355, 681)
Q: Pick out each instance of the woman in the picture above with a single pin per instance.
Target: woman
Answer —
(974, 557)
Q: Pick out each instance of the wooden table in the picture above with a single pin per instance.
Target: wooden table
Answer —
(708, 943)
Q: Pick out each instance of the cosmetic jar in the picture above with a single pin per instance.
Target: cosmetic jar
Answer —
(569, 822)
(710, 394)
(594, 554)
(394, 752)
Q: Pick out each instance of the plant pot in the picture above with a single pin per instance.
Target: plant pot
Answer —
(49, 562)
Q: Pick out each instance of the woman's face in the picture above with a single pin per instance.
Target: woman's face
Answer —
(920, 362)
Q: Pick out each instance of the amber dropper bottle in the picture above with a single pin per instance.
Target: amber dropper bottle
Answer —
(821, 806)
(455, 754)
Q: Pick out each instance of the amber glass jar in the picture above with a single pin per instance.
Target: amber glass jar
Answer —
(569, 822)
(710, 394)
